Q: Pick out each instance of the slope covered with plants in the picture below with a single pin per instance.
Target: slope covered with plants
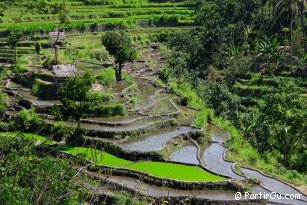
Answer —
(152, 101)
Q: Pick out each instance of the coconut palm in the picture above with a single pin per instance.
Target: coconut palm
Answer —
(293, 10)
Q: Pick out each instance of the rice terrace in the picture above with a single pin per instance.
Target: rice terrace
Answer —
(153, 102)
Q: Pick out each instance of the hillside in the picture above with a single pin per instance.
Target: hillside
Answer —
(152, 102)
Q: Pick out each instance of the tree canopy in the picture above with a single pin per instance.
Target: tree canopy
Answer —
(119, 45)
(76, 97)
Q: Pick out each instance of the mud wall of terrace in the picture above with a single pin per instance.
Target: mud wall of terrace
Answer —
(164, 182)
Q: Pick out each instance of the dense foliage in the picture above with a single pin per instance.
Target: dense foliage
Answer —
(24, 182)
(119, 45)
(221, 59)
(76, 97)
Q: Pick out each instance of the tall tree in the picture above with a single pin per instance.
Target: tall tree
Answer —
(293, 9)
(76, 97)
(3, 103)
(15, 36)
(119, 45)
(63, 12)
(282, 114)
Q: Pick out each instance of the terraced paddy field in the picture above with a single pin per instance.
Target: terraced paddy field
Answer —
(160, 169)
(156, 134)
(144, 21)
(253, 88)
(92, 17)
(149, 128)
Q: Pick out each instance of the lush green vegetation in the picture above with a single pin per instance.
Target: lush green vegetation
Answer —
(160, 169)
(119, 45)
(76, 97)
(29, 136)
(253, 80)
(30, 178)
(241, 63)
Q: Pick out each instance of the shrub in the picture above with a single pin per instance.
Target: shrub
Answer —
(38, 47)
(19, 68)
(107, 78)
(44, 89)
(49, 62)
(203, 117)
(60, 130)
(26, 118)
(110, 110)
(105, 97)
(164, 74)
(3, 102)
(184, 101)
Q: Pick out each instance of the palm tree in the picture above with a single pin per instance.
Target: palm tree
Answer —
(293, 10)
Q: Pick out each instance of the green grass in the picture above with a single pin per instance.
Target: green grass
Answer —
(107, 78)
(159, 169)
(128, 14)
(39, 138)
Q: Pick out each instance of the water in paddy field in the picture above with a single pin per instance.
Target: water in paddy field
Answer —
(145, 92)
(186, 154)
(272, 184)
(36, 100)
(162, 105)
(156, 191)
(155, 141)
(213, 158)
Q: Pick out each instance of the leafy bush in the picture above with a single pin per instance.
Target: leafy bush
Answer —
(26, 118)
(164, 74)
(110, 110)
(23, 170)
(105, 97)
(3, 102)
(60, 130)
(49, 62)
(19, 68)
(44, 89)
(107, 78)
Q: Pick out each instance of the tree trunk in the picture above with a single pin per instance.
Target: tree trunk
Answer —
(79, 124)
(303, 30)
(118, 72)
(56, 53)
(270, 10)
(15, 54)
(56, 48)
(291, 34)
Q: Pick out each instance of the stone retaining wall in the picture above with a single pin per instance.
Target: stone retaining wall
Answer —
(122, 134)
(119, 152)
(164, 182)
(266, 175)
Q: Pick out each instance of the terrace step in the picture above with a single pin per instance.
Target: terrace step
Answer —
(156, 191)
(133, 129)
(157, 141)
(117, 120)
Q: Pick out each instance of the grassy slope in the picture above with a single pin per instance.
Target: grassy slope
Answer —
(101, 14)
(240, 149)
(39, 138)
(160, 169)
